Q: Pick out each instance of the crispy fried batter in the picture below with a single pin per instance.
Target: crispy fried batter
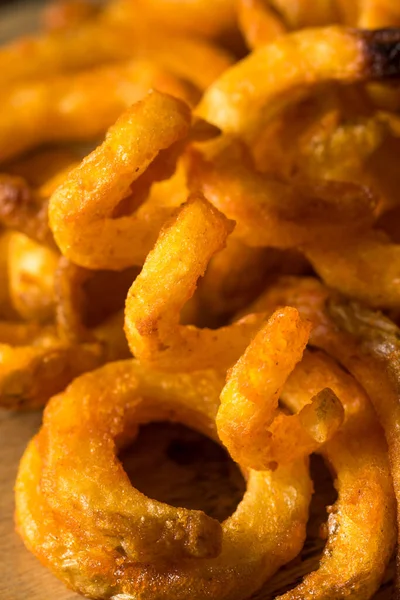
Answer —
(353, 336)
(73, 107)
(248, 422)
(113, 554)
(365, 509)
(243, 99)
(139, 149)
(167, 281)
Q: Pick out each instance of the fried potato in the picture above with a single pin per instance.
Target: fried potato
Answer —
(262, 21)
(375, 14)
(197, 17)
(110, 39)
(242, 100)
(259, 23)
(35, 363)
(6, 309)
(31, 273)
(167, 281)
(248, 422)
(269, 212)
(73, 107)
(361, 522)
(83, 428)
(23, 209)
(364, 267)
(83, 212)
(364, 342)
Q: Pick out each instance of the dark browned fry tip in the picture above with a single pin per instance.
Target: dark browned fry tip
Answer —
(381, 49)
(15, 194)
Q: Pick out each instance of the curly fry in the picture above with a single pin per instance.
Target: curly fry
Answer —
(130, 159)
(72, 107)
(167, 281)
(376, 14)
(188, 16)
(353, 336)
(353, 266)
(24, 210)
(31, 272)
(111, 555)
(263, 21)
(269, 212)
(247, 420)
(360, 524)
(260, 24)
(35, 363)
(243, 99)
(299, 14)
(109, 39)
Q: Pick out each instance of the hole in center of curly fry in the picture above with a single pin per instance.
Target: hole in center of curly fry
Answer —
(183, 468)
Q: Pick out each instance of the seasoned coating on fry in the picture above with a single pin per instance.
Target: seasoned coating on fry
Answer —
(107, 40)
(198, 17)
(36, 363)
(243, 99)
(365, 267)
(23, 210)
(82, 428)
(365, 508)
(269, 212)
(139, 149)
(32, 269)
(167, 281)
(73, 107)
(259, 23)
(362, 341)
(248, 422)
(6, 309)
(263, 21)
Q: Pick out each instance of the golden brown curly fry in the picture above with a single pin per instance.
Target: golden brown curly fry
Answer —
(244, 98)
(6, 309)
(167, 281)
(31, 273)
(197, 17)
(23, 209)
(362, 341)
(269, 212)
(73, 107)
(36, 363)
(111, 38)
(90, 214)
(365, 267)
(299, 14)
(263, 21)
(259, 23)
(112, 554)
(248, 423)
(361, 522)
(376, 14)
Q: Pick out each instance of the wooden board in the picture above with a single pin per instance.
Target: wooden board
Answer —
(168, 463)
